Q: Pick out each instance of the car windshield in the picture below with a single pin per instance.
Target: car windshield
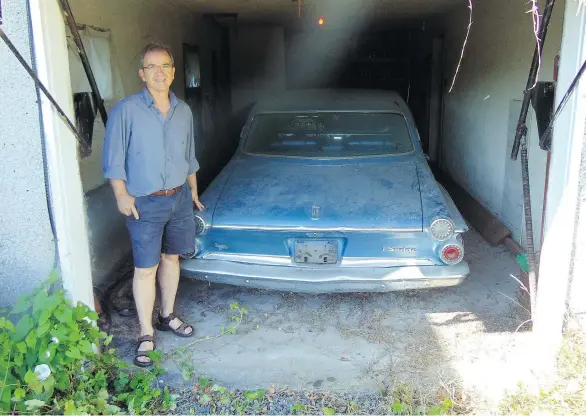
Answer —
(328, 134)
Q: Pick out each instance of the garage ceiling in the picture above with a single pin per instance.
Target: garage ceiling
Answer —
(284, 11)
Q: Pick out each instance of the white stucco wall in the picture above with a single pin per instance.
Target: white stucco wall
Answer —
(27, 249)
(577, 295)
(257, 58)
(481, 113)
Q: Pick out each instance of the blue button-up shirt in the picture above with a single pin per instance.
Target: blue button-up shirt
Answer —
(148, 152)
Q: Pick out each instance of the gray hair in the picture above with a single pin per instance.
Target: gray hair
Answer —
(155, 47)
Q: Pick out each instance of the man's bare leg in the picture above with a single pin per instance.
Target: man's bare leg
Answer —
(145, 290)
(168, 282)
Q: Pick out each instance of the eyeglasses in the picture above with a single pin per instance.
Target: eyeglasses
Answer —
(164, 67)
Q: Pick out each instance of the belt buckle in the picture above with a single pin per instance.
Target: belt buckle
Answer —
(167, 192)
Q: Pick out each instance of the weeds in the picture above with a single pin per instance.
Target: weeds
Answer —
(403, 400)
(564, 395)
(216, 399)
(50, 364)
(183, 359)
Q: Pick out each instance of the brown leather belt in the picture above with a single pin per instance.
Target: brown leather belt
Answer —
(167, 192)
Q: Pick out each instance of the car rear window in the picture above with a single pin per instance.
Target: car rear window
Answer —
(328, 134)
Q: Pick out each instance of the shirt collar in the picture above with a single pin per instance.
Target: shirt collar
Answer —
(148, 98)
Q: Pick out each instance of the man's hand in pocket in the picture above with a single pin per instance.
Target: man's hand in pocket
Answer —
(126, 205)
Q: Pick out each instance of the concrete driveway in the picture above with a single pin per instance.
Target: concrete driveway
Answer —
(353, 342)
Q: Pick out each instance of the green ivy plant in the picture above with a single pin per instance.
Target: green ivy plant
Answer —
(50, 362)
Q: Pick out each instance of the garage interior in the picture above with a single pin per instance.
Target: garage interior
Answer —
(230, 53)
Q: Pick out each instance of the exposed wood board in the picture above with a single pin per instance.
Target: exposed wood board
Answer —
(488, 225)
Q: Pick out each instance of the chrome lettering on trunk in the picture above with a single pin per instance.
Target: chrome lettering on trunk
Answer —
(390, 249)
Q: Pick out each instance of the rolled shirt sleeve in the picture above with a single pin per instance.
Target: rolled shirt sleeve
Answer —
(115, 144)
(190, 151)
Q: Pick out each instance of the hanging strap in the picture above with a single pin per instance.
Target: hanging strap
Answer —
(84, 59)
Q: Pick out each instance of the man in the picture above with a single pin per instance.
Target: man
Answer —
(149, 158)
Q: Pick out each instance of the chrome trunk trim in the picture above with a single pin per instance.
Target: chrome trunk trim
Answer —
(286, 260)
(249, 258)
(315, 229)
(382, 262)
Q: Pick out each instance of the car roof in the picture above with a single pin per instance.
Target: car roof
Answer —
(331, 100)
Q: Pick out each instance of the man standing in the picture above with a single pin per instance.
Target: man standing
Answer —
(149, 158)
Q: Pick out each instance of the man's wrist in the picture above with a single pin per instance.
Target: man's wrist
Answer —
(121, 194)
(119, 187)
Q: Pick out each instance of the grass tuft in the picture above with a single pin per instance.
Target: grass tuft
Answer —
(566, 394)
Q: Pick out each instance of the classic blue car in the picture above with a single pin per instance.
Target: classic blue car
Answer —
(329, 191)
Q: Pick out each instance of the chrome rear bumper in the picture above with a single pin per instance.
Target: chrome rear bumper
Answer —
(325, 279)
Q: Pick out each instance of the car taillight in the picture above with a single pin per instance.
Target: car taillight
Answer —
(441, 229)
(200, 225)
(452, 254)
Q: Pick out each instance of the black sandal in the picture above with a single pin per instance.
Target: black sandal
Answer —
(163, 325)
(144, 338)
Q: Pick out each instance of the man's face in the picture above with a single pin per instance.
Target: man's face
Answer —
(158, 72)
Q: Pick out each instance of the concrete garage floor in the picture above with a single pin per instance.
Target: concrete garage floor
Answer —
(355, 342)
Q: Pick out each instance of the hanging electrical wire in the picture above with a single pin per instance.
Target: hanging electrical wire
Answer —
(463, 46)
(536, 17)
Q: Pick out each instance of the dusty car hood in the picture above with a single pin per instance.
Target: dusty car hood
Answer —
(275, 193)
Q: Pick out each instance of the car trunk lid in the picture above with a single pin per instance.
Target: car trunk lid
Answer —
(277, 194)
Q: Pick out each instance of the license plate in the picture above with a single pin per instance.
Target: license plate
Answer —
(316, 252)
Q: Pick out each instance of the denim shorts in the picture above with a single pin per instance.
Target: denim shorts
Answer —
(166, 225)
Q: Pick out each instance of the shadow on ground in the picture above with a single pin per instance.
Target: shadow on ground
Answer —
(356, 342)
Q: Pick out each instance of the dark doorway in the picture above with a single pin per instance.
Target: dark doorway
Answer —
(192, 87)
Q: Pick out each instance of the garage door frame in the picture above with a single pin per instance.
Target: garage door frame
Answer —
(66, 192)
(557, 254)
